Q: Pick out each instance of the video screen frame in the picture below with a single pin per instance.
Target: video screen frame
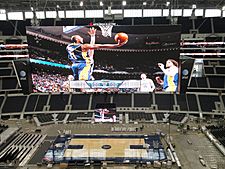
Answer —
(115, 76)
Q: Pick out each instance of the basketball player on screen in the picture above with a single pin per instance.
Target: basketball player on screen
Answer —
(170, 80)
(92, 33)
(147, 85)
(79, 53)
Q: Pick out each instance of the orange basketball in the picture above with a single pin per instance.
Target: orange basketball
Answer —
(121, 36)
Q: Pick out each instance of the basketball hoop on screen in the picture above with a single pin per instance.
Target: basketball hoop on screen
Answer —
(106, 28)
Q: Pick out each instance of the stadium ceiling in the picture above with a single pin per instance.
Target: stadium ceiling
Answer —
(26, 5)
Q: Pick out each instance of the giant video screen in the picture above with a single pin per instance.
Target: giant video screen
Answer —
(105, 112)
(101, 58)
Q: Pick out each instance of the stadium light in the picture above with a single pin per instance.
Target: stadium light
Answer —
(124, 3)
(75, 14)
(199, 12)
(223, 8)
(93, 13)
(57, 6)
(61, 14)
(3, 17)
(166, 12)
(15, 15)
(176, 12)
(144, 3)
(40, 14)
(194, 6)
(101, 3)
(167, 3)
(51, 14)
(212, 13)
(132, 13)
(29, 15)
(2, 11)
(187, 12)
(152, 12)
(81, 3)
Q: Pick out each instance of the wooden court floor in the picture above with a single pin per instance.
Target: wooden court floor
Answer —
(120, 147)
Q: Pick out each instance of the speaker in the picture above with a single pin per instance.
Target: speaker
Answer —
(23, 71)
(186, 68)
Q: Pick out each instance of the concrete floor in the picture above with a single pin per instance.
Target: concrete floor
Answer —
(187, 153)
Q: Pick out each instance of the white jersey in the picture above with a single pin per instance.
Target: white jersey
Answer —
(147, 85)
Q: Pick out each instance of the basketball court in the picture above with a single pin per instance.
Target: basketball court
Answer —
(116, 148)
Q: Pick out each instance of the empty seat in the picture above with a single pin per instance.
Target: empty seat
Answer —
(122, 100)
(99, 98)
(159, 116)
(218, 132)
(80, 101)
(164, 101)
(9, 83)
(142, 100)
(206, 62)
(31, 103)
(140, 116)
(221, 62)
(1, 100)
(14, 104)
(58, 101)
(201, 82)
(148, 116)
(220, 70)
(21, 146)
(72, 117)
(61, 116)
(5, 64)
(6, 71)
(217, 82)
(198, 82)
(182, 102)
(209, 70)
(176, 117)
(192, 102)
(41, 102)
(43, 118)
(223, 98)
(193, 82)
(207, 102)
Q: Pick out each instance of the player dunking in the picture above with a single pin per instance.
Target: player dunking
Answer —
(79, 54)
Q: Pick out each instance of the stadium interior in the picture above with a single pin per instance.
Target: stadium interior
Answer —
(42, 128)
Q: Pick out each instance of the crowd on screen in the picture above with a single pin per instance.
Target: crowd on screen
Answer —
(44, 82)
(50, 56)
(55, 82)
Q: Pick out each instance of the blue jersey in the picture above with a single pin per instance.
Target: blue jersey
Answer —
(170, 83)
(76, 55)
